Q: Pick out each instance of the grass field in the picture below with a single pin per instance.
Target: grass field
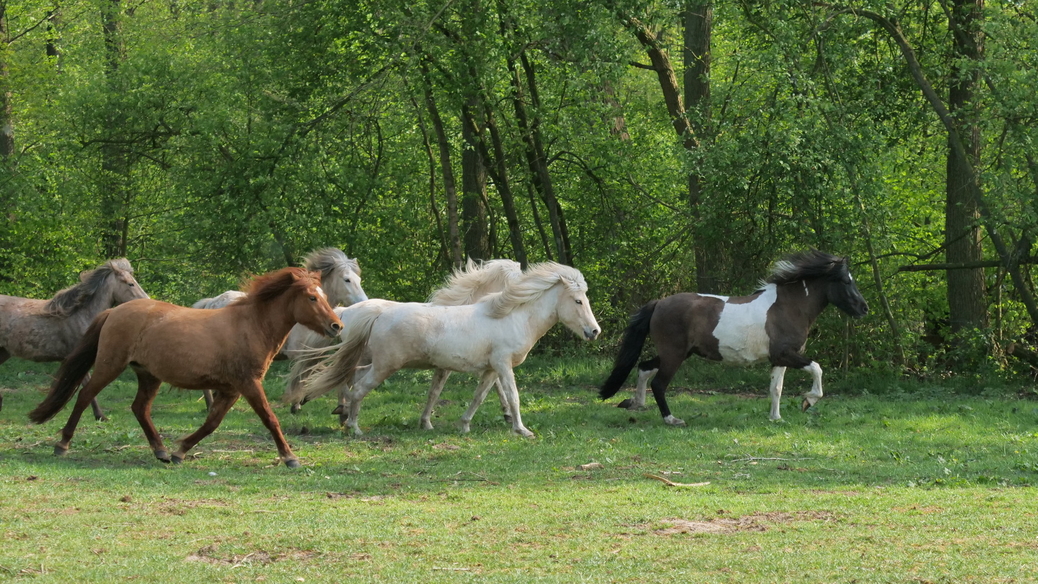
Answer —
(885, 481)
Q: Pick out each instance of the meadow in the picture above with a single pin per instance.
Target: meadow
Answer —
(886, 480)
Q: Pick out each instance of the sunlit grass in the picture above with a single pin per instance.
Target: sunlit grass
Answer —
(868, 487)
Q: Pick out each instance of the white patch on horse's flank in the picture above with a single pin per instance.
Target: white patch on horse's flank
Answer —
(740, 333)
(722, 298)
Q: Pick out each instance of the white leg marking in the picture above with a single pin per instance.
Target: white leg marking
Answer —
(644, 377)
(777, 375)
(672, 421)
(812, 397)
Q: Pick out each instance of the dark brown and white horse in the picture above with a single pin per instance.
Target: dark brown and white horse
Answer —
(769, 325)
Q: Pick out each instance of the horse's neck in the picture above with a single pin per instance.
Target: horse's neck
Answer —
(809, 297)
(270, 321)
(541, 314)
(78, 321)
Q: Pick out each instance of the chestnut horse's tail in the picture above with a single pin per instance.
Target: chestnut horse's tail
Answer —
(71, 373)
(630, 349)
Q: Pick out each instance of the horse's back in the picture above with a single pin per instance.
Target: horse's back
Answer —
(719, 328)
(27, 331)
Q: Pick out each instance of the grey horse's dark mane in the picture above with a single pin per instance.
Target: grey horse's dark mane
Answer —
(74, 297)
(807, 265)
(327, 259)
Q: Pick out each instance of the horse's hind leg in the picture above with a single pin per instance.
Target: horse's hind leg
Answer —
(667, 368)
(488, 378)
(4, 356)
(222, 402)
(646, 371)
(147, 388)
(435, 388)
(95, 407)
(99, 380)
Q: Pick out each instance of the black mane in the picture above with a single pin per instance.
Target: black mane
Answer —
(808, 265)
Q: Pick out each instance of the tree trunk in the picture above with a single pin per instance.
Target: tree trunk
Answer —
(473, 193)
(115, 166)
(535, 157)
(449, 186)
(967, 304)
(710, 252)
(6, 109)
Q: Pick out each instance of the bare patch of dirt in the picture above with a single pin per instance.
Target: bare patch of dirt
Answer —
(751, 522)
(210, 555)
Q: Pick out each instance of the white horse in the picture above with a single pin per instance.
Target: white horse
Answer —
(464, 286)
(488, 338)
(340, 280)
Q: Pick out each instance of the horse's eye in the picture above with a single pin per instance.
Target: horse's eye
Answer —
(580, 302)
(313, 299)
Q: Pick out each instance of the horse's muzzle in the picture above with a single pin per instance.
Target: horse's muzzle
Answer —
(591, 334)
(333, 330)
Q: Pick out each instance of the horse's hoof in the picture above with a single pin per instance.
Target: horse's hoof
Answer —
(672, 421)
(508, 419)
(162, 455)
(626, 404)
(295, 408)
(805, 405)
(293, 463)
(176, 458)
(60, 450)
(101, 418)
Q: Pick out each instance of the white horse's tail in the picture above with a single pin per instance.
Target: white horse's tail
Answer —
(322, 375)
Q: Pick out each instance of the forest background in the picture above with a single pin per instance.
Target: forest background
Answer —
(656, 146)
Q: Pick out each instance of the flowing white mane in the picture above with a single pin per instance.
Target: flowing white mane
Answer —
(471, 283)
(534, 282)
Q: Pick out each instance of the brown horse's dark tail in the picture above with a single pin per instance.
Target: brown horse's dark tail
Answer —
(630, 349)
(71, 373)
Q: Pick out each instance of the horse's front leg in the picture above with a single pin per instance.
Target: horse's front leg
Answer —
(812, 397)
(507, 379)
(435, 388)
(222, 402)
(488, 378)
(775, 391)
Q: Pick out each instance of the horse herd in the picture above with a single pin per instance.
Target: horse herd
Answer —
(484, 320)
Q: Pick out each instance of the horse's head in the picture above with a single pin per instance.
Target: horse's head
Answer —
(574, 309)
(120, 281)
(843, 293)
(340, 275)
(311, 308)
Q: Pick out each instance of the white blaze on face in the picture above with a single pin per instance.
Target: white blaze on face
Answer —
(321, 292)
(740, 331)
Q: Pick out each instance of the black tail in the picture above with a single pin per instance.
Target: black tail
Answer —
(71, 373)
(630, 350)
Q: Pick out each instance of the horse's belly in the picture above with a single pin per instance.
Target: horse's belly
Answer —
(743, 345)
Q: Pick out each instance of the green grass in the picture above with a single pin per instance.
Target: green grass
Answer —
(890, 482)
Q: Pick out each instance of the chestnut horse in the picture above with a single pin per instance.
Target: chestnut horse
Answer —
(47, 330)
(227, 350)
(769, 325)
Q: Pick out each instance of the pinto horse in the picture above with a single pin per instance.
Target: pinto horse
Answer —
(48, 330)
(227, 350)
(487, 338)
(771, 324)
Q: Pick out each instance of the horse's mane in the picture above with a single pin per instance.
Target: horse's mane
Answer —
(474, 281)
(807, 265)
(270, 286)
(328, 259)
(72, 298)
(534, 282)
